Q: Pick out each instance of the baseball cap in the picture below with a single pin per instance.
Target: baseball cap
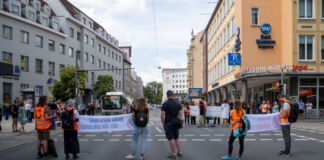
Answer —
(169, 93)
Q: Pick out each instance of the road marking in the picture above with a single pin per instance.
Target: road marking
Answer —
(321, 132)
(219, 135)
(321, 141)
(183, 140)
(160, 140)
(279, 139)
(267, 134)
(250, 139)
(113, 140)
(55, 140)
(83, 140)
(215, 140)
(278, 134)
(198, 140)
(301, 136)
(293, 134)
(149, 140)
(207, 129)
(90, 135)
(98, 140)
(158, 129)
(266, 139)
(189, 135)
(160, 135)
(314, 139)
(152, 122)
(311, 131)
(301, 139)
(250, 134)
(204, 135)
(129, 135)
(117, 135)
(128, 140)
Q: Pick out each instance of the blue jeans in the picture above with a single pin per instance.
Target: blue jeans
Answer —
(28, 116)
(143, 132)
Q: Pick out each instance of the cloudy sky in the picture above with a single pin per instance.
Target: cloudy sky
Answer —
(132, 22)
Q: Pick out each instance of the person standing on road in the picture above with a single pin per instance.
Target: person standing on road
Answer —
(141, 116)
(28, 108)
(268, 107)
(301, 107)
(202, 114)
(0, 117)
(236, 115)
(70, 119)
(225, 113)
(192, 118)
(43, 119)
(309, 107)
(14, 113)
(6, 110)
(170, 112)
(285, 125)
(187, 113)
(263, 107)
(21, 117)
(275, 107)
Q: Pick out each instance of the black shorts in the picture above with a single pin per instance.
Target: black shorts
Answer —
(171, 132)
(301, 111)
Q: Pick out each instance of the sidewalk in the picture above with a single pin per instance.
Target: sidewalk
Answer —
(7, 128)
(312, 124)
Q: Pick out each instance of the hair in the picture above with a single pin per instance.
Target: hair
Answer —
(281, 96)
(141, 104)
(237, 105)
(42, 100)
(224, 101)
(70, 103)
(21, 103)
(202, 98)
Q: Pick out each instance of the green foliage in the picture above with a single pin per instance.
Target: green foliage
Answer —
(153, 92)
(104, 84)
(65, 88)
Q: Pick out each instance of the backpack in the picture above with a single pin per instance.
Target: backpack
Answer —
(177, 123)
(68, 120)
(293, 116)
(141, 119)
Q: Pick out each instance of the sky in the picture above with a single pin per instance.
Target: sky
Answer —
(132, 23)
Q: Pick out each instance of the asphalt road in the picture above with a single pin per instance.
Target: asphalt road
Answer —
(197, 143)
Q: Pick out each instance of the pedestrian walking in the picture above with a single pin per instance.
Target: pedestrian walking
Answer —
(14, 112)
(171, 113)
(70, 119)
(285, 125)
(275, 107)
(141, 116)
(22, 117)
(43, 119)
(236, 115)
(202, 111)
(187, 113)
(225, 113)
(28, 108)
(301, 107)
(309, 107)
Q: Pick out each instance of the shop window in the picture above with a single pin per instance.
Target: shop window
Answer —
(305, 9)
(306, 48)
(255, 16)
(321, 98)
(7, 93)
(308, 94)
(322, 49)
(307, 82)
(321, 82)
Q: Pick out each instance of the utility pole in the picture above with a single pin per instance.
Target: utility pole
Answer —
(76, 80)
(282, 81)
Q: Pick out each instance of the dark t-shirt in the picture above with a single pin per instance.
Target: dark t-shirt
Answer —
(52, 106)
(137, 111)
(15, 109)
(171, 108)
(202, 109)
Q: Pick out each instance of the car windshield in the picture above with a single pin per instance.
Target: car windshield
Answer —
(111, 102)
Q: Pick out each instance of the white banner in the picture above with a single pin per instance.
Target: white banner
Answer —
(106, 123)
(214, 111)
(194, 111)
(264, 122)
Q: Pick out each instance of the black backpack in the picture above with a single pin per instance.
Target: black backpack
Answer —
(68, 120)
(141, 119)
(177, 123)
(293, 116)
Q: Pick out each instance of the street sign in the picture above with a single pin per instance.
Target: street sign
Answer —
(234, 59)
(36, 91)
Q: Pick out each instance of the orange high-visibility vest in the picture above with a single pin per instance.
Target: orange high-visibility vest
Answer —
(40, 122)
(236, 118)
(76, 124)
(282, 118)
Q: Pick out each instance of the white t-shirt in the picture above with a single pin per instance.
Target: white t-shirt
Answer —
(76, 114)
(309, 106)
(28, 107)
(286, 107)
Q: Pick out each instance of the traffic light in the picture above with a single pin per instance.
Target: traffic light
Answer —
(280, 87)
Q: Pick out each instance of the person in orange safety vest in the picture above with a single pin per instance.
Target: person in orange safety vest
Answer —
(285, 125)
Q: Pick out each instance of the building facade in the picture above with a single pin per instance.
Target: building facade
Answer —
(175, 79)
(40, 37)
(139, 88)
(266, 38)
(127, 73)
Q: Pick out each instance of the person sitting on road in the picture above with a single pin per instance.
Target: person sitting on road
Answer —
(141, 116)
(236, 116)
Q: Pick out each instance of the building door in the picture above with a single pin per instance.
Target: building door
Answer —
(7, 93)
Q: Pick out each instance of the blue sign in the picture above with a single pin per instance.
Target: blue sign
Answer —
(237, 46)
(234, 59)
(265, 28)
(17, 69)
(215, 85)
(238, 32)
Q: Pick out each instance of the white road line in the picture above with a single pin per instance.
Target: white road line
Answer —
(207, 129)
(160, 140)
(219, 135)
(98, 140)
(278, 134)
(301, 136)
(83, 140)
(301, 139)
(267, 134)
(314, 139)
(279, 139)
(55, 140)
(293, 134)
(183, 140)
(189, 135)
(198, 140)
(129, 135)
(321, 132)
(266, 139)
(158, 129)
(321, 141)
(215, 140)
(117, 135)
(159, 135)
(149, 140)
(152, 122)
(90, 135)
(204, 135)
(311, 131)
(127, 140)
(250, 140)
(250, 134)
(113, 140)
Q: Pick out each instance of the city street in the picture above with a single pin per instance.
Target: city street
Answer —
(197, 143)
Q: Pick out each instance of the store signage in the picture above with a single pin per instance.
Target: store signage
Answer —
(305, 92)
(234, 59)
(265, 40)
(17, 69)
(36, 92)
(215, 85)
(274, 68)
(237, 46)
(300, 68)
(195, 92)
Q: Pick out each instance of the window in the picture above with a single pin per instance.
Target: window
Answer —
(39, 41)
(78, 36)
(99, 48)
(322, 8)
(99, 63)
(31, 15)
(24, 37)
(51, 45)
(306, 48)
(84, 21)
(90, 24)
(7, 57)
(71, 52)
(14, 9)
(51, 68)
(56, 26)
(38, 6)
(119, 58)
(62, 48)
(104, 49)
(92, 77)
(24, 63)
(61, 67)
(305, 9)
(24, 86)
(92, 59)
(71, 32)
(104, 65)
(228, 32)
(108, 66)
(112, 68)
(112, 55)
(255, 16)
(86, 56)
(39, 66)
(92, 42)
(86, 41)
(45, 21)
(6, 32)
(108, 52)
(322, 50)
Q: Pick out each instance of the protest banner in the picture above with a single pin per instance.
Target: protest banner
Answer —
(213, 111)
(194, 111)
(264, 122)
(106, 123)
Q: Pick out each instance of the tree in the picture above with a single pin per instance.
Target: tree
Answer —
(153, 92)
(64, 89)
(104, 84)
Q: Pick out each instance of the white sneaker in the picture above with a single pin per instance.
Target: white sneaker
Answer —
(142, 158)
(130, 157)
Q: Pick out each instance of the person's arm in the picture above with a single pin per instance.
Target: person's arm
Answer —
(285, 112)
(48, 116)
(163, 117)
(148, 114)
(76, 115)
(133, 116)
